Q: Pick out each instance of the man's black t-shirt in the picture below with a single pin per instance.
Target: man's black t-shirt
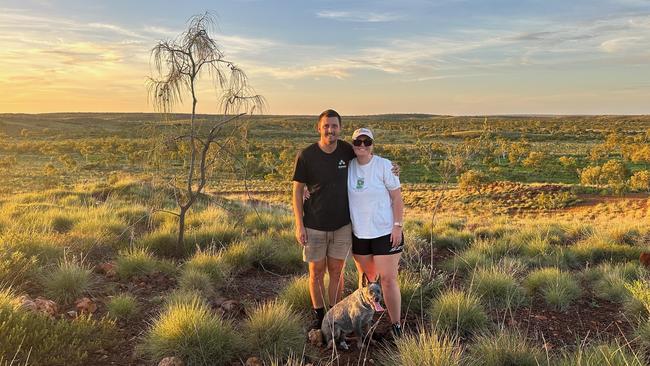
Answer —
(326, 176)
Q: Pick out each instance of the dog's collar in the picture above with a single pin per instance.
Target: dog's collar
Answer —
(364, 301)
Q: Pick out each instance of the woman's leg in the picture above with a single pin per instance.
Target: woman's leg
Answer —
(365, 264)
(387, 266)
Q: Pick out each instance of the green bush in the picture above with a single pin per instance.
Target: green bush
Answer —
(595, 250)
(296, 294)
(196, 280)
(603, 354)
(239, 257)
(642, 333)
(210, 262)
(608, 280)
(637, 304)
(62, 224)
(123, 306)
(504, 348)
(37, 339)
(498, 288)
(189, 330)
(458, 312)
(424, 349)
(417, 290)
(68, 282)
(139, 261)
(273, 329)
(557, 288)
(277, 252)
(265, 220)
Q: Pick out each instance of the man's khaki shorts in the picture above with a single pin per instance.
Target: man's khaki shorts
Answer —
(320, 244)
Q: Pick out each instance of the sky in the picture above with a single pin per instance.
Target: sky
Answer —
(450, 57)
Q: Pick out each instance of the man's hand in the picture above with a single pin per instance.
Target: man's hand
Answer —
(396, 169)
(301, 235)
(305, 194)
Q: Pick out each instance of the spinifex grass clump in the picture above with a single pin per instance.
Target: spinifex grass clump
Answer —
(239, 257)
(273, 329)
(598, 248)
(68, 282)
(277, 251)
(296, 294)
(139, 261)
(637, 304)
(417, 290)
(123, 306)
(210, 262)
(497, 287)
(505, 348)
(196, 280)
(424, 349)
(557, 288)
(189, 330)
(37, 339)
(16, 268)
(609, 280)
(265, 220)
(458, 313)
(609, 354)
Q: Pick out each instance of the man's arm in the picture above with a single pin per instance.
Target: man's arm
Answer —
(298, 191)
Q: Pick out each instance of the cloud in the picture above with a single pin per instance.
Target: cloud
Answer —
(351, 16)
(620, 44)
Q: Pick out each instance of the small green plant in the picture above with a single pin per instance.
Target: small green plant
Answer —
(274, 330)
(296, 294)
(609, 280)
(210, 262)
(637, 304)
(557, 288)
(417, 290)
(611, 354)
(262, 221)
(424, 349)
(68, 281)
(192, 332)
(62, 224)
(123, 306)
(498, 288)
(504, 348)
(239, 257)
(197, 280)
(139, 261)
(458, 312)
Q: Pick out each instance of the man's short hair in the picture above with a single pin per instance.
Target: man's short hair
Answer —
(330, 113)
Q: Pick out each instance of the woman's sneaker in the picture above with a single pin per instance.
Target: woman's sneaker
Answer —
(397, 330)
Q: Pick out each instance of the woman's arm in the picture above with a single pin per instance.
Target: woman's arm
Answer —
(398, 216)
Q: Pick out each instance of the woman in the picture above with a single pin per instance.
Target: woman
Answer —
(377, 212)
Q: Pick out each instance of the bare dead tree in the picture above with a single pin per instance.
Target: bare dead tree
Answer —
(179, 64)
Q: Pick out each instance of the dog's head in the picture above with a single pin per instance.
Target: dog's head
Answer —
(372, 291)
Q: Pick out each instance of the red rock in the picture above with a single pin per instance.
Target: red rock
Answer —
(230, 306)
(46, 306)
(315, 337)
(171, 361)
(254, 361)
(85, 306)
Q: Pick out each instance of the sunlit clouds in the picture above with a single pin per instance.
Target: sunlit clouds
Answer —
(369, 58)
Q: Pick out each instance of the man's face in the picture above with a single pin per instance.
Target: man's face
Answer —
(329, 129)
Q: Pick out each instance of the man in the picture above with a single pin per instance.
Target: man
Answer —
(323, 221)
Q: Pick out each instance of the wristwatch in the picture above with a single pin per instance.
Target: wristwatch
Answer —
(398, 223)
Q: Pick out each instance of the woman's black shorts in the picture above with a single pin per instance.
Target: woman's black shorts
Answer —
(375, 246)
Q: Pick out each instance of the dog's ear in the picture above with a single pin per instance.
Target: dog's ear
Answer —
(364, 280)
(379, 280)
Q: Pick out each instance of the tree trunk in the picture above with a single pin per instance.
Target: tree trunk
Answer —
(181, 233)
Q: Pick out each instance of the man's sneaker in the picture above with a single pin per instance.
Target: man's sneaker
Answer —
(397, 330)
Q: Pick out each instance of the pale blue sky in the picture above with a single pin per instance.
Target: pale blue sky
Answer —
(359, 57)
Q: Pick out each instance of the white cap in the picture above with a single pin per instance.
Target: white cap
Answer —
(362, 131)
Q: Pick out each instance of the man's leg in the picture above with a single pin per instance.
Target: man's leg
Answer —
(316, 283)
(335, 270)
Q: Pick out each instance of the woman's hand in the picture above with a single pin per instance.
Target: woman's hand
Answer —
(396, 236)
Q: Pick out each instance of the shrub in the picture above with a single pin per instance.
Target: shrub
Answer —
(417, 290)
(424, 349)
(278, 252)
(590, 175)
(504, 348)
(123, 306)
(62, 224)
(498, 288)
(67, 282)
(614, 173)
(162, 243)
(640, 181)
(40, 340)
(262, 221)
(557, 288)
(139, 261)
(239, 257)
(16, 268)
(603, 354)
(458, 312)
(196, 280)
(296, 294)
(274, 330)
(472, 180)
(190, 331)
(608, 281)
(638, 303)
(596, 250)
(210, 262)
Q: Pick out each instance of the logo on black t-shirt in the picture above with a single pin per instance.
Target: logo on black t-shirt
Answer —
(342, 164)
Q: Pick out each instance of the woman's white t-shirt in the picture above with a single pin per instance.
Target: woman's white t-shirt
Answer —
(370, 205)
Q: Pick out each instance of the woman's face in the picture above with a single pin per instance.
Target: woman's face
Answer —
(362, 150)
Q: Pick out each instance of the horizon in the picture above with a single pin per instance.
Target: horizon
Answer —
(449, 58)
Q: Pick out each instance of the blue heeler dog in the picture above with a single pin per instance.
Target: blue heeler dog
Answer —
(352, 314)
